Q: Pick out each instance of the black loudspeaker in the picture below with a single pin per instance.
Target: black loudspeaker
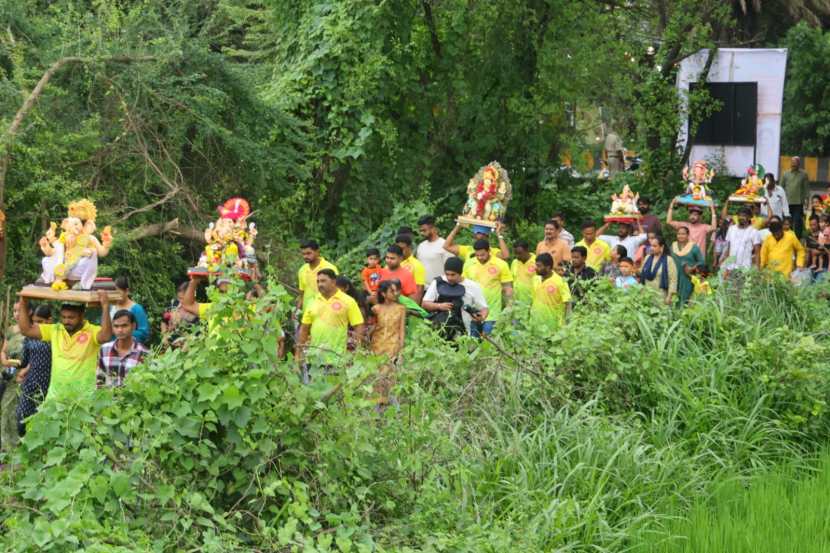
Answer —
(734, 124)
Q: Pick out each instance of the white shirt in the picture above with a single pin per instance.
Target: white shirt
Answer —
(473, 295)
(741, 242)
(776, 202)
(631, 243)
(432, 255)
(567, 237)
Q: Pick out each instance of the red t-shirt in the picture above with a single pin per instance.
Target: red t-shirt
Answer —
(371, 278)
(408, 286)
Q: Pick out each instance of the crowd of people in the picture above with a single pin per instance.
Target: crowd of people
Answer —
(462, 287)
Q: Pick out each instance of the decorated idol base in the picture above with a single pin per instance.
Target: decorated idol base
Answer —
(688, 199)
(45, 292)
(618, 218)
(244, 274)
(476, 222)
(747, 199)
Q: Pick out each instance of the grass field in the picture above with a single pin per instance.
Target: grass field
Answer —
(781, 512)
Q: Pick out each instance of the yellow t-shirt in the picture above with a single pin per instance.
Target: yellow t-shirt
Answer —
(307, 278)
(523, 274)
(757, 222)
(467, 252)
(490, 276)
(549, 299)
(74, 358)
(330, 320)
(777, 255)
(417, 269)
(598, 253)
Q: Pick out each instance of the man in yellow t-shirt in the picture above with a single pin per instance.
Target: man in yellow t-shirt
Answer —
(551, 296)
(307, 275)
(466, 253)
(523, 270)
(779, 249)
(493, 275)
(599, 252)
(325, 325)
(202, 310)
(412, 264)
(75, 344)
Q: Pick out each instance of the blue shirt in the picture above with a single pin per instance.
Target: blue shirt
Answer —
(626, 282)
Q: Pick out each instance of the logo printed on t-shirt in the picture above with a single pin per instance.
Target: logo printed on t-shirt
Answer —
(551, 289)
(492, 270)
(531, 269)
(336, 306)
(598, 250)
(83, 337)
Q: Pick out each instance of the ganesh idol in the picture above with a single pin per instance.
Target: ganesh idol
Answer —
(71, 257)
(488, 194)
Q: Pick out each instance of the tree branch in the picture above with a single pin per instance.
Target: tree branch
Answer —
(156, 229)
(11, 132)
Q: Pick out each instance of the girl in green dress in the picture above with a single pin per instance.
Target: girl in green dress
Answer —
(689, 260)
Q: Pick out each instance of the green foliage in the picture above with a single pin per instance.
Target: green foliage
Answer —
(783, 510)
(806, 121)
(578, 440)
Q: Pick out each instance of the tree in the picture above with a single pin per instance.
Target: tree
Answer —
(806, 119)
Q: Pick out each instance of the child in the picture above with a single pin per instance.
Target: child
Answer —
(344, 284)
(816, 206)
(820, 263)
(371, 273)
(719, 243)
(626, 279)
(388, 335)
(811, 239)
(611, 269)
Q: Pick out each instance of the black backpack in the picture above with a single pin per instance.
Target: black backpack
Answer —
(450, 323)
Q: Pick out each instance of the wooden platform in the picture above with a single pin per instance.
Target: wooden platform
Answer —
(688, 200)
(71, 296)
(244, 274)
(747, 199)
(629, 219)
(472, 221)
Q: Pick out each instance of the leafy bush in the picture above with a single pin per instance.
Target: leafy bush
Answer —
(577, 440)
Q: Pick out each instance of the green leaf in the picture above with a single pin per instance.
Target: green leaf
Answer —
(120, 483)
(232, 397)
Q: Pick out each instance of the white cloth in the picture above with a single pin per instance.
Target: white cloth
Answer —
(741, 242)
(83, 271)
(631, 243)
(473, 295)
(432, 255)
(776, 202)
(567, 237)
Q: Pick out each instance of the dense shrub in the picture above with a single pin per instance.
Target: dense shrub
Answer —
(526, 442)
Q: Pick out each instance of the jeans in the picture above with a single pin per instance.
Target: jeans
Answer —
(477, 329)
(797, 214)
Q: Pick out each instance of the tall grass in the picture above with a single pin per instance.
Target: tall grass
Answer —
(781, 512)
(628, 416)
